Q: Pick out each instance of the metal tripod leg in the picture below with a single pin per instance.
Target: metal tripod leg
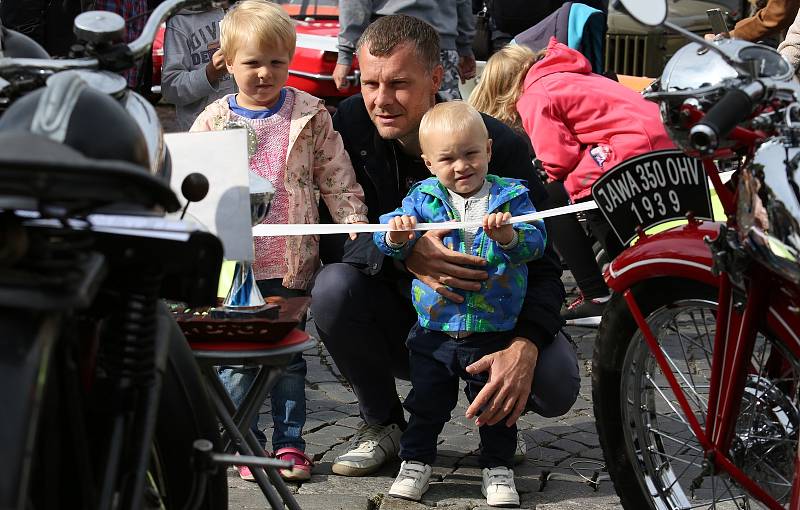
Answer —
(239, 432)
(243, 416)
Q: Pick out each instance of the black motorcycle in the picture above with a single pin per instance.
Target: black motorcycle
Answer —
(102, 402)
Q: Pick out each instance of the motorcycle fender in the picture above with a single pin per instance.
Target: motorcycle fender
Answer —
(26, 346)
(680, 252)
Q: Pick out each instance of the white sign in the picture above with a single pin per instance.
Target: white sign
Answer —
(222, 157)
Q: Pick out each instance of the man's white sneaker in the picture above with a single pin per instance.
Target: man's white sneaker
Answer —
(412, 480)
(498, 487)
(369, 448)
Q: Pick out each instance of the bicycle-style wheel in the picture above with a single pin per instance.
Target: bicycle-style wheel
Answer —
(184, 415)
(654, 459)
(68, 451)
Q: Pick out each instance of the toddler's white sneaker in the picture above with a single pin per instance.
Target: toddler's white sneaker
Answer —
(498, 487)
(412, 481)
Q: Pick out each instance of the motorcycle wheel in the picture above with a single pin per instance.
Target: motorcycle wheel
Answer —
(66, 445)
(184, 415)
(653, 458)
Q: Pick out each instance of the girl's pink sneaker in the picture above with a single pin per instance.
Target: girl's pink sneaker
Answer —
(245, 473)
(302, 464)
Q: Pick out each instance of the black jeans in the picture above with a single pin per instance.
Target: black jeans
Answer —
(572, 243)
(364, 322)
(602, 231)
(437, 363)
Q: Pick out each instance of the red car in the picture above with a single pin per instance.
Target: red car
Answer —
(314, 59)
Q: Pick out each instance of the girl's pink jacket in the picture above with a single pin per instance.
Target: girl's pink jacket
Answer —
(316, 166)
(568, 111)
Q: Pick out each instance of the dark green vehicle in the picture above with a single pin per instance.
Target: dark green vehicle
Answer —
(636, 50)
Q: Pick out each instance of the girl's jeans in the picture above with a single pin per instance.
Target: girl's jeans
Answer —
(288, 396)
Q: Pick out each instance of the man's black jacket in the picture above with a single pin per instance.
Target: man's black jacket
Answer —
(376, 164)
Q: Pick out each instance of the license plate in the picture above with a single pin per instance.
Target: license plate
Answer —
(651, 189)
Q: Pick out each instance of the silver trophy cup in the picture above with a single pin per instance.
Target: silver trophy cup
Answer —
(244, 295)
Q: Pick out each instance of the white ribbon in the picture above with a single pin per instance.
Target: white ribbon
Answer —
(300, 229)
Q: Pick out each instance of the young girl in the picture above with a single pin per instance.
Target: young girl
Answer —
(580, 125)
(299, 152)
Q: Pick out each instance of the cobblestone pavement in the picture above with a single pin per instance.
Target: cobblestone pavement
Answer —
(563, 468)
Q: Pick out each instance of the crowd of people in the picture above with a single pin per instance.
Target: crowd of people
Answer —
(484, 305)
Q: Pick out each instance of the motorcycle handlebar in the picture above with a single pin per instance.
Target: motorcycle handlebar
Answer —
(11, 65)
(137, 48)
(734, 107)
(144, 42)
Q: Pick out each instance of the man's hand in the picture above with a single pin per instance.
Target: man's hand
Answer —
(497, 229)
(439, 267)
(509, 385)
(467, 68)
(216, 68)
(717, 37)
(354, 235)
(340, 76)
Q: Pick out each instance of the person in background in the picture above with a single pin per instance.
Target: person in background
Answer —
(135, 14)
(766, 22)
(509, 18)
(450, 336)
(48, 22)
(790, 47)
(452, 19)
(497, 94)
(194, 72)
(299, 152)
(579, 136)
(576, 138)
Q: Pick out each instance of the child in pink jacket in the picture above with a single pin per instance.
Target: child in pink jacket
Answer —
(582, 124)
(298, 151)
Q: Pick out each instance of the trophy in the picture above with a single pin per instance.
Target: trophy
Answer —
(244, 298)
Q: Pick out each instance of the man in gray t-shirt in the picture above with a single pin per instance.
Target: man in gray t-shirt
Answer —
(452, 19)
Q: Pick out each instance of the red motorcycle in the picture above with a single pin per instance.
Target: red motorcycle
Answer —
(696, 369)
